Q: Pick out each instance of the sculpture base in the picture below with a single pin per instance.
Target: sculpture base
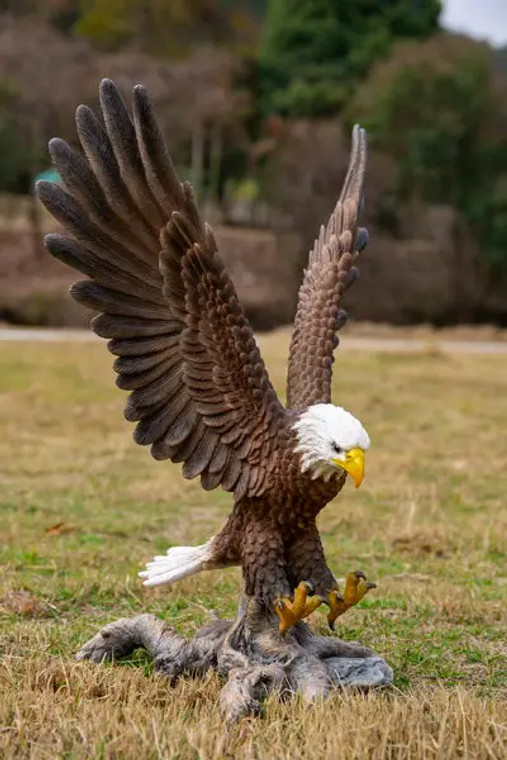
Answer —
(250, 653)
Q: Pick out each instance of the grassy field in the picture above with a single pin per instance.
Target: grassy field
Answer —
(82, 507)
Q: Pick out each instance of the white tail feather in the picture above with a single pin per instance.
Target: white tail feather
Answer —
(179, 562)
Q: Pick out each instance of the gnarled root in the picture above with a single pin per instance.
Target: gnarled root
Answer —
(249, 652)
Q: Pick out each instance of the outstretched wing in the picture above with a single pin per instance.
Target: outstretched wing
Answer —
(200, 392)
(330, 272)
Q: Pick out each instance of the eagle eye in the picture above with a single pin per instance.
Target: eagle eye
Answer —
(337, 449)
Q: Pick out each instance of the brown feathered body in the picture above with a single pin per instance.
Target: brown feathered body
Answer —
(274, 537)
(199, 391)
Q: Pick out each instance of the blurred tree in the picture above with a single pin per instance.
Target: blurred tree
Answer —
(167, 28)
(500, 59)
(19, 7)
(314, 51)
(153, 24)
(440, 111)
(18, 158)
(164, 28)
(64, 14)
(43, 74)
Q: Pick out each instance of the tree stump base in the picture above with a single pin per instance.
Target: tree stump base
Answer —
(248, 652)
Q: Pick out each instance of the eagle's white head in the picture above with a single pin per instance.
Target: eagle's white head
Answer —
(330, 438)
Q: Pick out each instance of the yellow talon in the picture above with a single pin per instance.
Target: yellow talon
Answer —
(356, 586)
(284, 611)
(291, 611)
(337, 607)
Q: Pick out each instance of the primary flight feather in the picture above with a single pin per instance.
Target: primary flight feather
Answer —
(199, 391)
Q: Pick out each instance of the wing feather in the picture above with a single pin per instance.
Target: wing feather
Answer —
(199, 391)
(329, 273)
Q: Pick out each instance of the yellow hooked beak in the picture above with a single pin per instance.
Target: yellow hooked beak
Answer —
(353, 464)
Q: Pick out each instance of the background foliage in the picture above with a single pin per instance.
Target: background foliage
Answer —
(440, 111)
(18, 160)
(313, 52)
(434, 103)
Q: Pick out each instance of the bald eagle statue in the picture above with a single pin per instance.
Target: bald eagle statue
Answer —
(199, 391)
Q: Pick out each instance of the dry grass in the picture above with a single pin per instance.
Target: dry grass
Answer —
(82, 508)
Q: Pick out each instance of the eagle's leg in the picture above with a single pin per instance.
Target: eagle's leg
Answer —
(356, 586)
(305, 555)
(267, 578)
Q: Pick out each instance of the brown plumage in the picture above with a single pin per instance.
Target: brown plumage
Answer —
(199, 391)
